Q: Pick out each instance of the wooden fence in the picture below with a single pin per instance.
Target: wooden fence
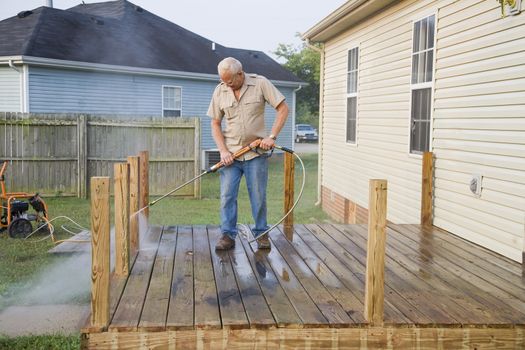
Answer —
(57, 154)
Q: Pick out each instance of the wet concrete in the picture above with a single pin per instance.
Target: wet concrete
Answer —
(43, 319)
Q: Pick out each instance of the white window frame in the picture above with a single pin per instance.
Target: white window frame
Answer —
(424, 85)
(352, 95)
(171, 109)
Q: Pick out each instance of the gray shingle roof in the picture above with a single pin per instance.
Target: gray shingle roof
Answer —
(121, 33)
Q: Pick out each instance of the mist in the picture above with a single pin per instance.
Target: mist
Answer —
(68, 278)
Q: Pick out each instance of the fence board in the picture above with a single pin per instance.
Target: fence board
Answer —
(54, 154)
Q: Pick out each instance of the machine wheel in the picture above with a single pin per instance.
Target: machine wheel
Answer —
(20, 228)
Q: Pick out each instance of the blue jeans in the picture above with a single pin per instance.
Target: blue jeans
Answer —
(255, 172)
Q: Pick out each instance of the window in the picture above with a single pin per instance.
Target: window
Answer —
(171, 101)
(421, 84)
(351, 95)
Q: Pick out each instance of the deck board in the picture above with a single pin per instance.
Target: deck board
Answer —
(207, 313)
(482, 268)
(331, 309)
(414, 290)
(178, 282)
(461, 306)
(257, 309)
(129, 309)
(281, 307)
(344, 296)
(306, 308)
(351, 272)
(233, 314)
(466, 289)
(414, 272)
(180, 309)
(156, 304)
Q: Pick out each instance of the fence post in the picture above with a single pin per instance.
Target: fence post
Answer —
(144, 183)
(82, 156)
(100, 251)
(289, 173)
(426, 189)
(122, 219)
(134, 192)
(197, 157)
(375, 254)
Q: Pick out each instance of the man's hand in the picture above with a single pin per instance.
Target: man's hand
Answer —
(226, 157)
(267, 143)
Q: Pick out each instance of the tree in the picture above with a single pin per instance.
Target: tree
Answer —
(304, 62)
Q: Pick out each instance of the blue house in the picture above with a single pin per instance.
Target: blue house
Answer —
(117, 58)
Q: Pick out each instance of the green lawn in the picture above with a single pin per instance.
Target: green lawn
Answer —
(41, 342)
(22, 260)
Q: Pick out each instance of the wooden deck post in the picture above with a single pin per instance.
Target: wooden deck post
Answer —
(289, 173)
(82, 128)
(134, 191)
(122, 219)
(144, 182)
(375, 255)
(100, 247)
(426, 189)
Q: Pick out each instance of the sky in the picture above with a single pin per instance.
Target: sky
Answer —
(246, 24)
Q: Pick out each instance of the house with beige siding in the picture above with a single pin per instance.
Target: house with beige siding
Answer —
(399, 78)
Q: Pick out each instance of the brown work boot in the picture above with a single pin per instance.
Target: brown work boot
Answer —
(263, 242)
(225, 243)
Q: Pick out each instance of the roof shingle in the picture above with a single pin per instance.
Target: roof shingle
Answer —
(121, 33)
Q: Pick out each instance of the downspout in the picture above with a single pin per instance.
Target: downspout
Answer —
(13, 66)
(22, 86)
(321, 109)
(294, 115)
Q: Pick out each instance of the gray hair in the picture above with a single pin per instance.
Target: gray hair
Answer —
(229, 64)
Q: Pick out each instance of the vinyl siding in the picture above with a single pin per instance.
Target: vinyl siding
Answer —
(10, 90)
(72, 91)
(383, 113)
(478, 119)
(479, 125)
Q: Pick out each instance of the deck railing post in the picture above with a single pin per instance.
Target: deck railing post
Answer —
(134, 201)
(375, 258)
(100, 246)
(289, 174)
(122, 219)
(144, 182)
(426, 189)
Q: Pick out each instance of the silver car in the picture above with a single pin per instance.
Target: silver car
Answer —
(305, 132)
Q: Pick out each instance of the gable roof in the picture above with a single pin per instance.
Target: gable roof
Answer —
(121, 33)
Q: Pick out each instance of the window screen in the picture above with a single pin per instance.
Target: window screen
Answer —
(422, 75)
(351, 91)
(171, 101)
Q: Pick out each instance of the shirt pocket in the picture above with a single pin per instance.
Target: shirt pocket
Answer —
(253, 105)
(229, 109)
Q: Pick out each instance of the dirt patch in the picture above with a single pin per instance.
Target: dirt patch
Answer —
(43, 319)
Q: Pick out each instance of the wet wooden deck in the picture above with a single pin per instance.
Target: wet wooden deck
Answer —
(439, 289)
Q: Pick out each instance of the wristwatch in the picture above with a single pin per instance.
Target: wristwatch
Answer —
(273, 137)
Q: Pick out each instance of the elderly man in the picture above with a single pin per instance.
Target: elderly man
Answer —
(239, 100)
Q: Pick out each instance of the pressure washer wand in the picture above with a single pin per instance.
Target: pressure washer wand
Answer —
(251, 147)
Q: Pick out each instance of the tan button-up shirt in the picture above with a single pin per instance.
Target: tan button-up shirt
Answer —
(244, 119)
